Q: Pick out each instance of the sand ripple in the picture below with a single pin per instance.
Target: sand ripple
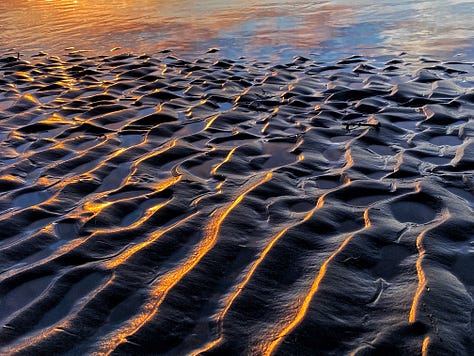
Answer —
(158, 205)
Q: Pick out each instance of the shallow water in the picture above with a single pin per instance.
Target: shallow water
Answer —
(270, 29)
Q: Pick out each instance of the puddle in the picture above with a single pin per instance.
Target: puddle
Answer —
(30, 199)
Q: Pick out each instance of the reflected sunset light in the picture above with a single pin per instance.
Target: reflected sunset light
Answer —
(257, 177)
(249, 28)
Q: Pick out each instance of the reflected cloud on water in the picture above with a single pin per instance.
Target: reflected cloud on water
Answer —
(267, 29)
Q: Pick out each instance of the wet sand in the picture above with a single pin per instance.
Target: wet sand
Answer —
(160, 205)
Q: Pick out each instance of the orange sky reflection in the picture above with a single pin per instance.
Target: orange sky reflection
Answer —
(248, 27)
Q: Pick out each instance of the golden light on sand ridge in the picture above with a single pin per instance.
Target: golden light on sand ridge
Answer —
(165, 283)
(269, 347)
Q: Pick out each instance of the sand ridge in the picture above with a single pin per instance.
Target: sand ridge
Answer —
(164, 205)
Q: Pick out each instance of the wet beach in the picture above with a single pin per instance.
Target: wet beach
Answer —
(187, 202)
(155, 204)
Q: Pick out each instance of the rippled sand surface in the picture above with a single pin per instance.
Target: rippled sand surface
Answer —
(155, 205)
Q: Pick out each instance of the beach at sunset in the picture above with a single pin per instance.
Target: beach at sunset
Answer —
(255, 178)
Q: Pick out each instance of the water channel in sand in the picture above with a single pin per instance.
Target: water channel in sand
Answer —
(266, 29)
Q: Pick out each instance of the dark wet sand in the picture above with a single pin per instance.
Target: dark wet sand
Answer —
(158, 205)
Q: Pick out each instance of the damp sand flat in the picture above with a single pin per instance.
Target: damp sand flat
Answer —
(156, 205)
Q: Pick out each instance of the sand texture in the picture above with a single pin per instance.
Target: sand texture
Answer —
(162, 205)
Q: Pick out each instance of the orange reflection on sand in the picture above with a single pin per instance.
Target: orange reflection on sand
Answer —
(421, 278)
(170, 279)
(219, 186)
(366, 219)
(147, 214)
(269, 347)
(163, 184)
(96, 208)
(349, 160)
(320, 202)
(230, 300)
(168, 145)
(45, 181)
(23, 76)
(226, 159)
(166, 183)
(31, 98)
(210, 122)
(11, 178)
(62, 326)
(398, 162)
(125, 256)
(55, 118)
(240, 286)
(424, 347)
(419, 265)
